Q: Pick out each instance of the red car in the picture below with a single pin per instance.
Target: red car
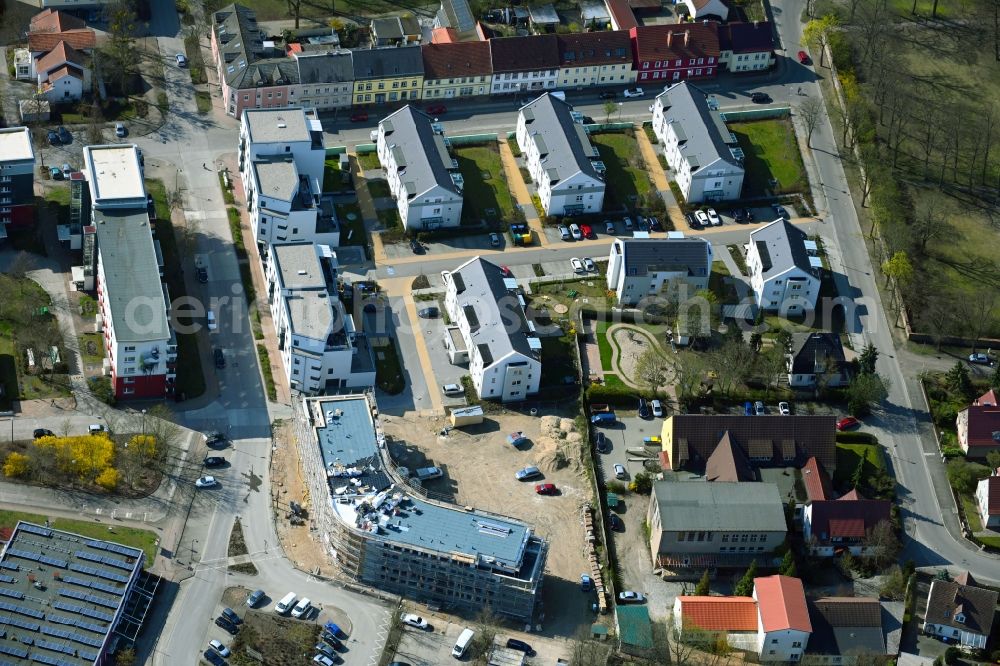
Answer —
(847, 423)
(545, 489)
(587, 231)
(437, 109)
(359, 117)
(803, 57)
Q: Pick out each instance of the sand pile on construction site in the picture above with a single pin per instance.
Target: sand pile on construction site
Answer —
(559, 444)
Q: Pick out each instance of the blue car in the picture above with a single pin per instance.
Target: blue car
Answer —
(747, 408)
(334, 629)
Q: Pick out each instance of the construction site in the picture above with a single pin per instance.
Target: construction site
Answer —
(383, 530)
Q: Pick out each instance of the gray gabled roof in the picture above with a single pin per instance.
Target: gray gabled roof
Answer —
(408, 132)
(740, 507)
(781, 246)
(643, 256)
(246, 62)
(331, 67)
(565, 146)
(456, 14)
(131, 275)
(387, 62)
(708, 140)
(810, 350)
(498, 323)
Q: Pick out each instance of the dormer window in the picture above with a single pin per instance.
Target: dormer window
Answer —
(960, 618)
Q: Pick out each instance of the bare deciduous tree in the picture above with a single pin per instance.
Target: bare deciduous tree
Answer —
(811, 110)
(652, 369)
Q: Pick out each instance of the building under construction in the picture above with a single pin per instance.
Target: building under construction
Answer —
(383, 533)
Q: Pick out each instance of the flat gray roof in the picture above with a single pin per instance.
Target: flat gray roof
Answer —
(114, 173)
(565, 143)
(272, 125)
(298, 266)
(348, 441)
(133, 289)
(312, 311)
(420, 150)
(15, 144)
(708, 139)
(278, 178)
(737, 507)
(61, 595)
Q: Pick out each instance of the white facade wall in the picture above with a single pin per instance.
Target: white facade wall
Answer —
(793, 292)
(322, 96)
(785, 645)
(577, 190)
(435, 208)
(596, 75)
(63, 89)
(982, 500)
(537, 81)
(968, 639)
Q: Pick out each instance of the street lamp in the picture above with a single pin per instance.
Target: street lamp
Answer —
(144, 425)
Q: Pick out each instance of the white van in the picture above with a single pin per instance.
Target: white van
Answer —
(210, 317)
(462, 644)
(285, 604)
(301, 608)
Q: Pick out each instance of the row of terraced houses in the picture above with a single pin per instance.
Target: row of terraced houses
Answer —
(255, 73)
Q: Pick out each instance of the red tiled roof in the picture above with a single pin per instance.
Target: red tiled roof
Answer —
(670, 42)
(987, 399)
(816, 481)
(46, 41)
(443, 36)
(63, 52)
(52, 20)
(993, 495)
(782, 602)
(719, 613)
(621, 14)
(595, 48)
(984, 421)
(520, 54)
(445, 61)
(851, 516)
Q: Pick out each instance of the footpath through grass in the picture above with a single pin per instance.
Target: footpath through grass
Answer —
(127, 536)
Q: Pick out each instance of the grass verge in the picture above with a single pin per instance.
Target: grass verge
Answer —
(237, 547)
(204, 101)
(388, 369)
(265, 368)
(144, 540)
(736, 252)
(369, 161)
(773, 161)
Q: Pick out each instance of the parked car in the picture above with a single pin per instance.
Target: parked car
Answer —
(521, 646)
(587, 231)
(758, 408)
(220, 359)
(231, 615)
(784, 409)
(42, 432)
(429, 313)
(254, 598)
(67, 171)
(644, 411)
(202, 274)
(847, 423)
(574, 231)
(657, 408)
(527, 473)
(331, 640)
(620, 471)
(323, 660)
(608, 94)
(692, 221)
(214, 461)
(217, 645)
(609, 227)
(437, 109)
(215, 439)
(325, 649)
(576, 264)
(414, 621)
(714, 218)
(628, 224)
(589, 265)
(120, 130)
(210, 320)
(643, 223)
(564, 233)
(980, 358)
(630, 597)
(495, 239)
(760, 98)
(452, 389)
(702, 218)
(206, 482)
(416, 247)
(227, 626)
(545, 488)
(181, 59)
(780, 211)
(634, 92)
(53, 138)
(803, 57)
(602, 443)
(748, 214)
(96, 429)
(747, 408)
(359, 117)
(616, 523)
(214, 658)
(64, 135)
(654, 224)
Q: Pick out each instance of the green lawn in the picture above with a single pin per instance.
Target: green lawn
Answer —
(614, 381)
(558, 361)
(92, 348)
(736, 252)
(333, 177)
(369, 161)
(265, 368)
(58, 195)
(771, 153)
(352, 232)
(379, 188)
(388, 369)
(604, 345)
(203, 100)
(848, 456)
(627, 179)
(989, 541)
(971, 511)
(127, 536)
(486, 194)
(717, 284)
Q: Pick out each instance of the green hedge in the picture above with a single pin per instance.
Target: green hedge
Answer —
(618, 395)
(856, 438)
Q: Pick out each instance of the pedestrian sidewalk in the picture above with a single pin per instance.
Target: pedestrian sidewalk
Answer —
(369, 215)
(520, 191)
(660, 180)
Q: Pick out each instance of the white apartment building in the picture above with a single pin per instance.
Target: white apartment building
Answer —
(423, 176)
(133, 301)
(504, 355)
(705, 159)
(560, 158)
(641, 267)
(320, 349)
(281, 160)
(783, 276)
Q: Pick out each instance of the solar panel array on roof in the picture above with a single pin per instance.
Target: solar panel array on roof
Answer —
(110, 561)
(65, 648)
(92, 598)
(34, 529)
(73, 608)
(13, 594)
(91, 571)
(53, 661)
(10, 566)
(6, 579)
(37, 557)
(88, 626)
(114, 548)
(18, 622)
(103, 587)
(14, 651)
(73, 636)
(23, 610)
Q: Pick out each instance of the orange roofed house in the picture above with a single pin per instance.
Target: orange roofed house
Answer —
(56, 57)
(774, 622)
(979, 426)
